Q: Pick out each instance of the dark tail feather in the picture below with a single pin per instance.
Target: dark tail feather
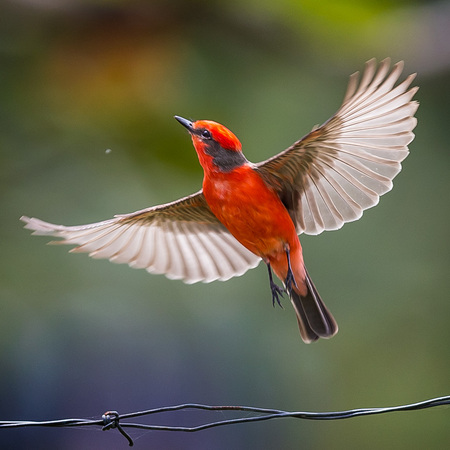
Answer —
(314, 319)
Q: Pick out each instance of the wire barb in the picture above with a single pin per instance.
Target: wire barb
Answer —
(111, 420)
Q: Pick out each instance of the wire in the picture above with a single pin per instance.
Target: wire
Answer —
(112, 419)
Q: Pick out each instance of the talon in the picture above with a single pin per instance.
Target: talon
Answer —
(277, 291)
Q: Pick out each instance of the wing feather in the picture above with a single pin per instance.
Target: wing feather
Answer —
(131, 247)
(342, 168)
(182, 240)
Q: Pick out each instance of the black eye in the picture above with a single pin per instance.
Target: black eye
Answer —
(206, 134)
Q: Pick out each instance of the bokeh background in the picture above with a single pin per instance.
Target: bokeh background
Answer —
(88, 90)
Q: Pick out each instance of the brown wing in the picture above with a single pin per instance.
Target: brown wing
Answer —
(182, 239)
(341, 168)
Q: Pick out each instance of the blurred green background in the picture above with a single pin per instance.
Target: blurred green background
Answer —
(82, 336)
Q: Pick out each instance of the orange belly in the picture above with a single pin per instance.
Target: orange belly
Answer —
(252, 212)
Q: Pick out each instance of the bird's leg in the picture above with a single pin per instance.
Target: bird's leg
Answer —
(277, 291)
(290, 279)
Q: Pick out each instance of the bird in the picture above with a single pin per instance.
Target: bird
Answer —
(248, 212)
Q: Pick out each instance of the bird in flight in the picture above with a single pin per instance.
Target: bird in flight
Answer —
(248, 212)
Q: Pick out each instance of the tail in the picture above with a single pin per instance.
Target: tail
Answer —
(313, 317)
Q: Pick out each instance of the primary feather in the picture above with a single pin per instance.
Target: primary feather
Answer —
(341, 168)
(182, 240)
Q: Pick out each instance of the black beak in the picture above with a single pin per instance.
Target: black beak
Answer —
(186, 123)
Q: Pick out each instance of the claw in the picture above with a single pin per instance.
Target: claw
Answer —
(277, 291)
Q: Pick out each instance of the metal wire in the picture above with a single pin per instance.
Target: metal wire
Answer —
(112, 419)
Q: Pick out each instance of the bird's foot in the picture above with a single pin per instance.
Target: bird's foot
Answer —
(277, 291)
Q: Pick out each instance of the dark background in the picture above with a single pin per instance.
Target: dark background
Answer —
(79, 336)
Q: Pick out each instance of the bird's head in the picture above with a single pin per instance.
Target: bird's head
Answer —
(218, 149)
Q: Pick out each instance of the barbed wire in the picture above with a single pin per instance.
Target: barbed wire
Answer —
(112, 419)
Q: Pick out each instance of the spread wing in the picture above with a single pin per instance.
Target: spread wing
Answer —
(182, 239)
(342, 167)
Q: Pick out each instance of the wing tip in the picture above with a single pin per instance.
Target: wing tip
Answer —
(38, 226)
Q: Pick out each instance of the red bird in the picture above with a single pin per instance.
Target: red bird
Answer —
(249, 212)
